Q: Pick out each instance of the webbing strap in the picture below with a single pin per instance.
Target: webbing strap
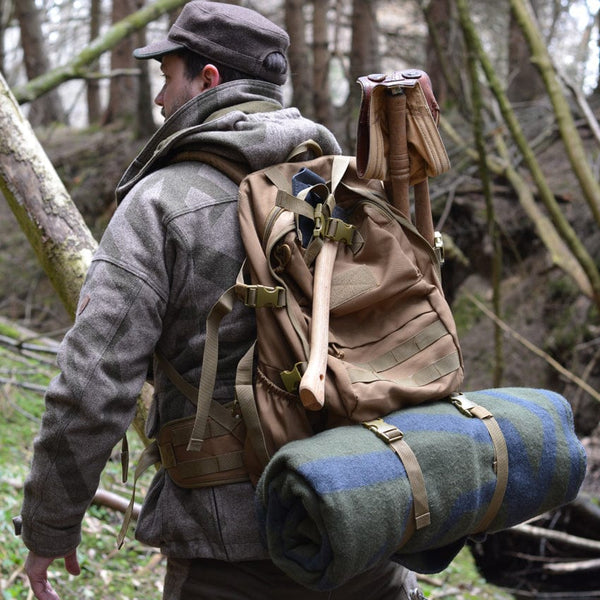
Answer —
(338, 170)
(407, 349)
(250, 107)
(201, 466)
(209, 366)
(392, 436)
(244, 393)
(444, 366)
(149, 457)
(186, 388)
(471, 409)
(218, 412)
(293, 204)
(308, 146)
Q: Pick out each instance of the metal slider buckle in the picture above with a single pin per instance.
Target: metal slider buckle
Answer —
(438, 245)
(388, 433)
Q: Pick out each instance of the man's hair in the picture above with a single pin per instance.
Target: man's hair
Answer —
(194, 63)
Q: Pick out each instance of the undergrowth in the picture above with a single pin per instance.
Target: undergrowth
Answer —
(134, 572)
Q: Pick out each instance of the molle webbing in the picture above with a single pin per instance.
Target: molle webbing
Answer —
(220, 461)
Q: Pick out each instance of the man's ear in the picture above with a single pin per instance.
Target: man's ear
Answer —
(210, 77)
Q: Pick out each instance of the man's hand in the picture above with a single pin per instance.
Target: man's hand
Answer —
(36, 568)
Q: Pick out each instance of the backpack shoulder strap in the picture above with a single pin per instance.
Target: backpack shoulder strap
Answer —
(235, 170)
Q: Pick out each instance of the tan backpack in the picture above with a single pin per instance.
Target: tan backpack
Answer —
(352, 322)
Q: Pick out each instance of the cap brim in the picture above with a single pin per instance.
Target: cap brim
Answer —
(157, 49)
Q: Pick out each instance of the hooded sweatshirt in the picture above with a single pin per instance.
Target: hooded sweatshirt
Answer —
(171, 249)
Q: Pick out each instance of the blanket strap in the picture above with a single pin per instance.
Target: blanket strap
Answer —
(394, 438)
(500, 465)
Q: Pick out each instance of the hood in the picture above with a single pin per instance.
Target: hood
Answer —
(242, 120)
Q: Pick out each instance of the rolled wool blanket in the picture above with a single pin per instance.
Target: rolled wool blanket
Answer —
(333, 505)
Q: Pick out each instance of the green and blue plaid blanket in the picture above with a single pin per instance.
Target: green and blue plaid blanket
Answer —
(333, 505)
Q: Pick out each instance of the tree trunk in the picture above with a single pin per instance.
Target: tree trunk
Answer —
(45, 212)
(524, 81)
(4, 20)
(566, 123)
(493, 234)
(437, 14)
(145, 124)
(42, 206)
(49, 108)
(94, 105)
(299, 57)
(560, 222)
(321, 56)
(124, 88)
(597, 90)
(364, 58)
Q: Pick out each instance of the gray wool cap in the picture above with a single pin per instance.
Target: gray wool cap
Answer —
(227, 34)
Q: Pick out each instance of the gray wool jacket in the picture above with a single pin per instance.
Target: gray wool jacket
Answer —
(171, 249)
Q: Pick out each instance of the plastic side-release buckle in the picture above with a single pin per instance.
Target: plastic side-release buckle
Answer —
(261, 296)
(392, 436)
(468, 407)
(340, 231)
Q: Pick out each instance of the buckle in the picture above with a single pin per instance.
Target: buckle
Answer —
(438, 246)
(291, 379)
(319, 219)
(340, 231)
(261, 296)
(385, 431)
(463, 404)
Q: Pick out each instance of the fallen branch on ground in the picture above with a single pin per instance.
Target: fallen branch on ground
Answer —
(115, 502)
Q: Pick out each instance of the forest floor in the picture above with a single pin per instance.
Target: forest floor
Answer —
(540, 304)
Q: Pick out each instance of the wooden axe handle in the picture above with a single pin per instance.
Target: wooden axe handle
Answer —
(312, 384)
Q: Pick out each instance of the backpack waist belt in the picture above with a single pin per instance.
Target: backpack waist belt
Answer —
(219, 462)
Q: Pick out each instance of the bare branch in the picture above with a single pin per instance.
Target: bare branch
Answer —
(76, 69)
(533, 348)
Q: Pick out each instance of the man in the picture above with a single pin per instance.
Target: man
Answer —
(171, 249)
